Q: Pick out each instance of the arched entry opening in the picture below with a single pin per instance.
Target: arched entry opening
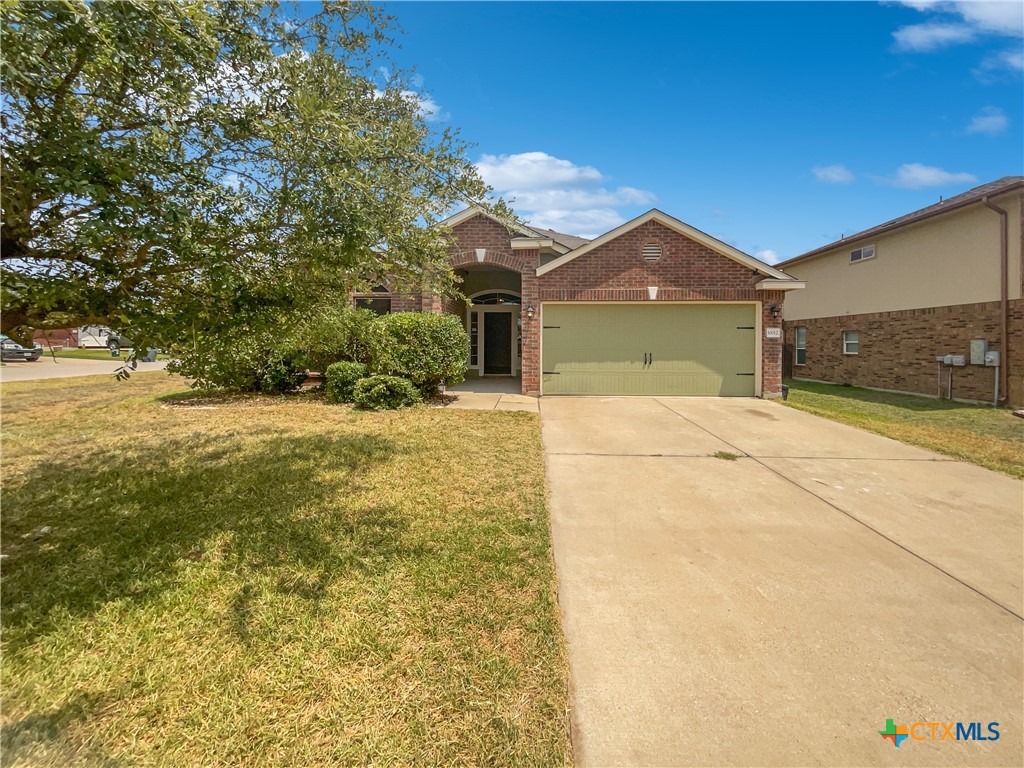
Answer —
(493, 319)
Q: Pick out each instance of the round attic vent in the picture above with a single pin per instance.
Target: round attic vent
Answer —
(651, 251)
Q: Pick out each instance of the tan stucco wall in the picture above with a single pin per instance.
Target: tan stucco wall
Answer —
(951, 259)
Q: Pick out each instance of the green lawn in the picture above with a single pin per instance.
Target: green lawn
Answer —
(991, 437)
(273, 582)
(90, 354)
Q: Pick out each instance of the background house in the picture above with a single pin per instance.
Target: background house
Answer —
(653, 307)
(882, 304)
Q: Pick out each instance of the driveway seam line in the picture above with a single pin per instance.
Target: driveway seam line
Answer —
(856, 519)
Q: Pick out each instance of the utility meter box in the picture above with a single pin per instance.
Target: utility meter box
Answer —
(958, 360)
(979, 348)
(992, 358)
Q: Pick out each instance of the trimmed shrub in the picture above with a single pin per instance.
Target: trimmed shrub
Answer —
(428, 350)
(242, 361)
(334, 334)
(341, 378)
(281, 374)
(382, 393)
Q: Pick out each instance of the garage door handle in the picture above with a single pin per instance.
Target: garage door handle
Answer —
(651, 361)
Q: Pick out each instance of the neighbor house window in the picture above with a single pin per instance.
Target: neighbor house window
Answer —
(801, 346)
(651, 251)
(378, 301)
(851, 343)
(862, 254)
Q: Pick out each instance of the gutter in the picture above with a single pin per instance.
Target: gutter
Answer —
(1004, 297)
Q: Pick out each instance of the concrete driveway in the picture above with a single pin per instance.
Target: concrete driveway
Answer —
(777, 608)
(66, 367)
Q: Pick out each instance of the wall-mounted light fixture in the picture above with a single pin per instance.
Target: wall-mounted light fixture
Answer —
(529, 311)
(775, 309)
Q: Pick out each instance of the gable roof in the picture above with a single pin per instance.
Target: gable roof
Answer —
(569, 241)
(998, 187)
(687, 231)
(468, 213)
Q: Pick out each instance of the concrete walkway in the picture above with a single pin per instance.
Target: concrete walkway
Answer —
(776, 605)
(65, 367)
(491, 394)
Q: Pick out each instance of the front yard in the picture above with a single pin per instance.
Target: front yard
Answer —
(990, 437)
(273, 581)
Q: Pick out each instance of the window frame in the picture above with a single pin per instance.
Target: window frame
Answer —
(378, 294)
(799, 345)
(862, 257)
(847, 342)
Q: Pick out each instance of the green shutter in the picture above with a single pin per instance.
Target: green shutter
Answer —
(648, 349)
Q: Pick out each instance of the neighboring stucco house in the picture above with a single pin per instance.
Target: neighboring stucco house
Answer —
(883, 304)
(653, 307)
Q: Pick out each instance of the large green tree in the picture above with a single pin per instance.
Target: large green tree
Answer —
(172, 167)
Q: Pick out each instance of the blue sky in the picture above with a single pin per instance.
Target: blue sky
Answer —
(776, 127)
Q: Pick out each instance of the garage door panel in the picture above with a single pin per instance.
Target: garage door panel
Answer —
(692, 349)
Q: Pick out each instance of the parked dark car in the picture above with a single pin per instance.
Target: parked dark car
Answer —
(10, 350)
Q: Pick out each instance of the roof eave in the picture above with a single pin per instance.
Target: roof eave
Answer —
(678, 226)
(871, 232)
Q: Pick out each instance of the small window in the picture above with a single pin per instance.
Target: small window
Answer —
(862, 254)
(851, 343)
(651, 251)
(801, 345)
(497, 297)
(378, 301)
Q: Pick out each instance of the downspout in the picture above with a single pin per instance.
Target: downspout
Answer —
(1004, 297)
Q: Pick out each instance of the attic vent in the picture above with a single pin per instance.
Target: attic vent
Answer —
(651, 251)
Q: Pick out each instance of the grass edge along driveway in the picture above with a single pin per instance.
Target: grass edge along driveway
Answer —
(273, 581)
(979, 434)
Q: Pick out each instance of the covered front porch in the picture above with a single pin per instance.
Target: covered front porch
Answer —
(493, 319)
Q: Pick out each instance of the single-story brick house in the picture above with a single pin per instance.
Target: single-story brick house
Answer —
(881, 305)
(653, 307)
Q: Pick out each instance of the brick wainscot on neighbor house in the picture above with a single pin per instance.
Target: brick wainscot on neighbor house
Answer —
(883, 304)
(653, 307)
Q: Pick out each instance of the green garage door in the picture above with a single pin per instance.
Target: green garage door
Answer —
(648, 349)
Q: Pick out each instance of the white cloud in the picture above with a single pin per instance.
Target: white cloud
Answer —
(1010, 60)
(990, 120)
(768, 256)
(931, 36)
(427, 108)
(535, 170)
(1002, 18)
(833, 174)
(918, 176)
(553, 193)
(952, 23)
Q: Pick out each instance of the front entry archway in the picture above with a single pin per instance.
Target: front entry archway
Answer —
(495, 333)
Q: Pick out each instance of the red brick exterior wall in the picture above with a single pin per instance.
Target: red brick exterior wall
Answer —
(898, 349)
(686, 271)
(67, 337)
(482, 232)
(616, 271)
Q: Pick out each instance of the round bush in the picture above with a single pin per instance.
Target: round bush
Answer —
(341, 378)
(382, 393)
(426, 349)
